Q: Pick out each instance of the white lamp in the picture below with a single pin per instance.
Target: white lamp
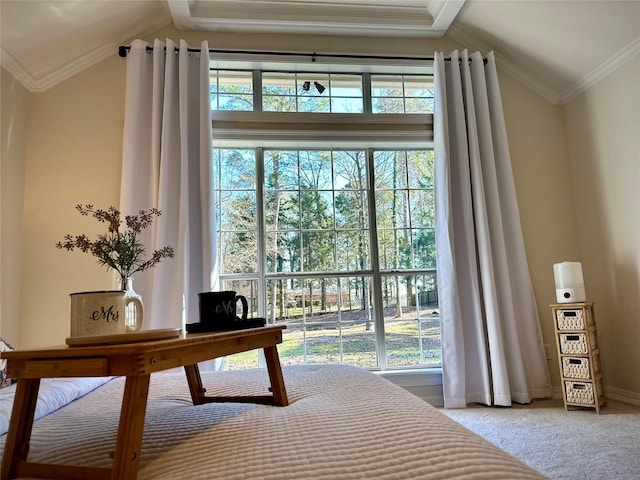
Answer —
(569, 282)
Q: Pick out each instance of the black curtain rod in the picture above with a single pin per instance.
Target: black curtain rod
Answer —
(124, 49)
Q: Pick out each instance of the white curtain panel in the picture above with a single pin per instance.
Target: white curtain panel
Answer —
(167, 165)
(492, 347)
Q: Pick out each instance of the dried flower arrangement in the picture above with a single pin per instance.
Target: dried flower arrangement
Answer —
(121, 251)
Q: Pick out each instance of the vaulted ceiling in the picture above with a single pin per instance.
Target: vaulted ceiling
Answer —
(558, 48)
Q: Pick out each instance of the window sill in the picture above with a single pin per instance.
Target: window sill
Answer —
(414, 378)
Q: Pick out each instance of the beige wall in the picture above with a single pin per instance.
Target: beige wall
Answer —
(73, 156)
(536, 135)
(603, 134)
(74, 149)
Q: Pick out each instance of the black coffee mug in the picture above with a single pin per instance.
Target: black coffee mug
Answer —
(221, 306)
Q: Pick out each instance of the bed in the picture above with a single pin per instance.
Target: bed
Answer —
(342, 423)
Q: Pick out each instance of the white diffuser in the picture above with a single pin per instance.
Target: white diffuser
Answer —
(569, 282)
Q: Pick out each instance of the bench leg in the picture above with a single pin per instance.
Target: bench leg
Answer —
(195, 383)
(129, 441)
(19, 435)
(275, 375)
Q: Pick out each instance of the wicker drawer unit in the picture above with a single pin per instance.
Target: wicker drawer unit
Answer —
(576, 342)
(579, 392)
(575, 367)
(578, 355)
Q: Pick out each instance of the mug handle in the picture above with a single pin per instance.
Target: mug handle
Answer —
(139, 313)
(245, 305)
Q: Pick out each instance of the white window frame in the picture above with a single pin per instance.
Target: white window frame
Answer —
(255, 129)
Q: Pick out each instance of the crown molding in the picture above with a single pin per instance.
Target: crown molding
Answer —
(513, 70)
(37, 83)
(507, 66)
(351, 18)
(444, 13)
(17, 70)
(610, 66)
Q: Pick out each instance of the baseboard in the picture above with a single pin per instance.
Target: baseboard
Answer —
(425, 384)
(611, 393)
(623, 396)
(556, 392)
(430, 394)
(429, 388)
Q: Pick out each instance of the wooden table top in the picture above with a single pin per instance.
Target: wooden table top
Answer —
(184, 339)
(138, 358)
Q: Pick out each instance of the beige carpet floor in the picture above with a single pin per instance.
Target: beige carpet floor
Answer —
(576, 444)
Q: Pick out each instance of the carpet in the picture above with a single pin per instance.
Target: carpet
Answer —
(576, 444)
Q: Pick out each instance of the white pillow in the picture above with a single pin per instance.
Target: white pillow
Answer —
(54, 393)
(4, 381)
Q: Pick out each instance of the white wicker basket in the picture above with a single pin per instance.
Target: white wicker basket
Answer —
(575, 367)
(579, 392)
(573, 343)
(570, 319)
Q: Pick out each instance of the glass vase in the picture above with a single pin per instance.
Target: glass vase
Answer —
(132, 312)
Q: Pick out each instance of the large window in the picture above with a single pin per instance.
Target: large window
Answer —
(336, 243)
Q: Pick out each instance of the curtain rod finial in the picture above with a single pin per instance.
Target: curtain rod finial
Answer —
(122, 51)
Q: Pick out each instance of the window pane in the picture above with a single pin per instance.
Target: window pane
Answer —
(346, 86)
(402, 94)
(422, 208)
(281, 170)
(346, 94)
(420, 168)
(238, 252)
(352, 210)
(281, 210)
(248, 288)
(424, 248)
(316, 170)
(316, 210)
(313, 104)
(350, 170)
(318, 251)
(386, 86)
(352, 250)
(346, 105)
(231, 90)
(327, 320)
(359, 345)
(405, 216)
(283, 252)
(387, 105)
(412, 329)
(418, 105)
(277, 83)
(235, 102)
(312, 92)
(236, 208)
(279, 104)
(238, 168)
(418, 85)
(235, 82)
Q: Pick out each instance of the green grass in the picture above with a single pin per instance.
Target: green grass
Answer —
(358, 344)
